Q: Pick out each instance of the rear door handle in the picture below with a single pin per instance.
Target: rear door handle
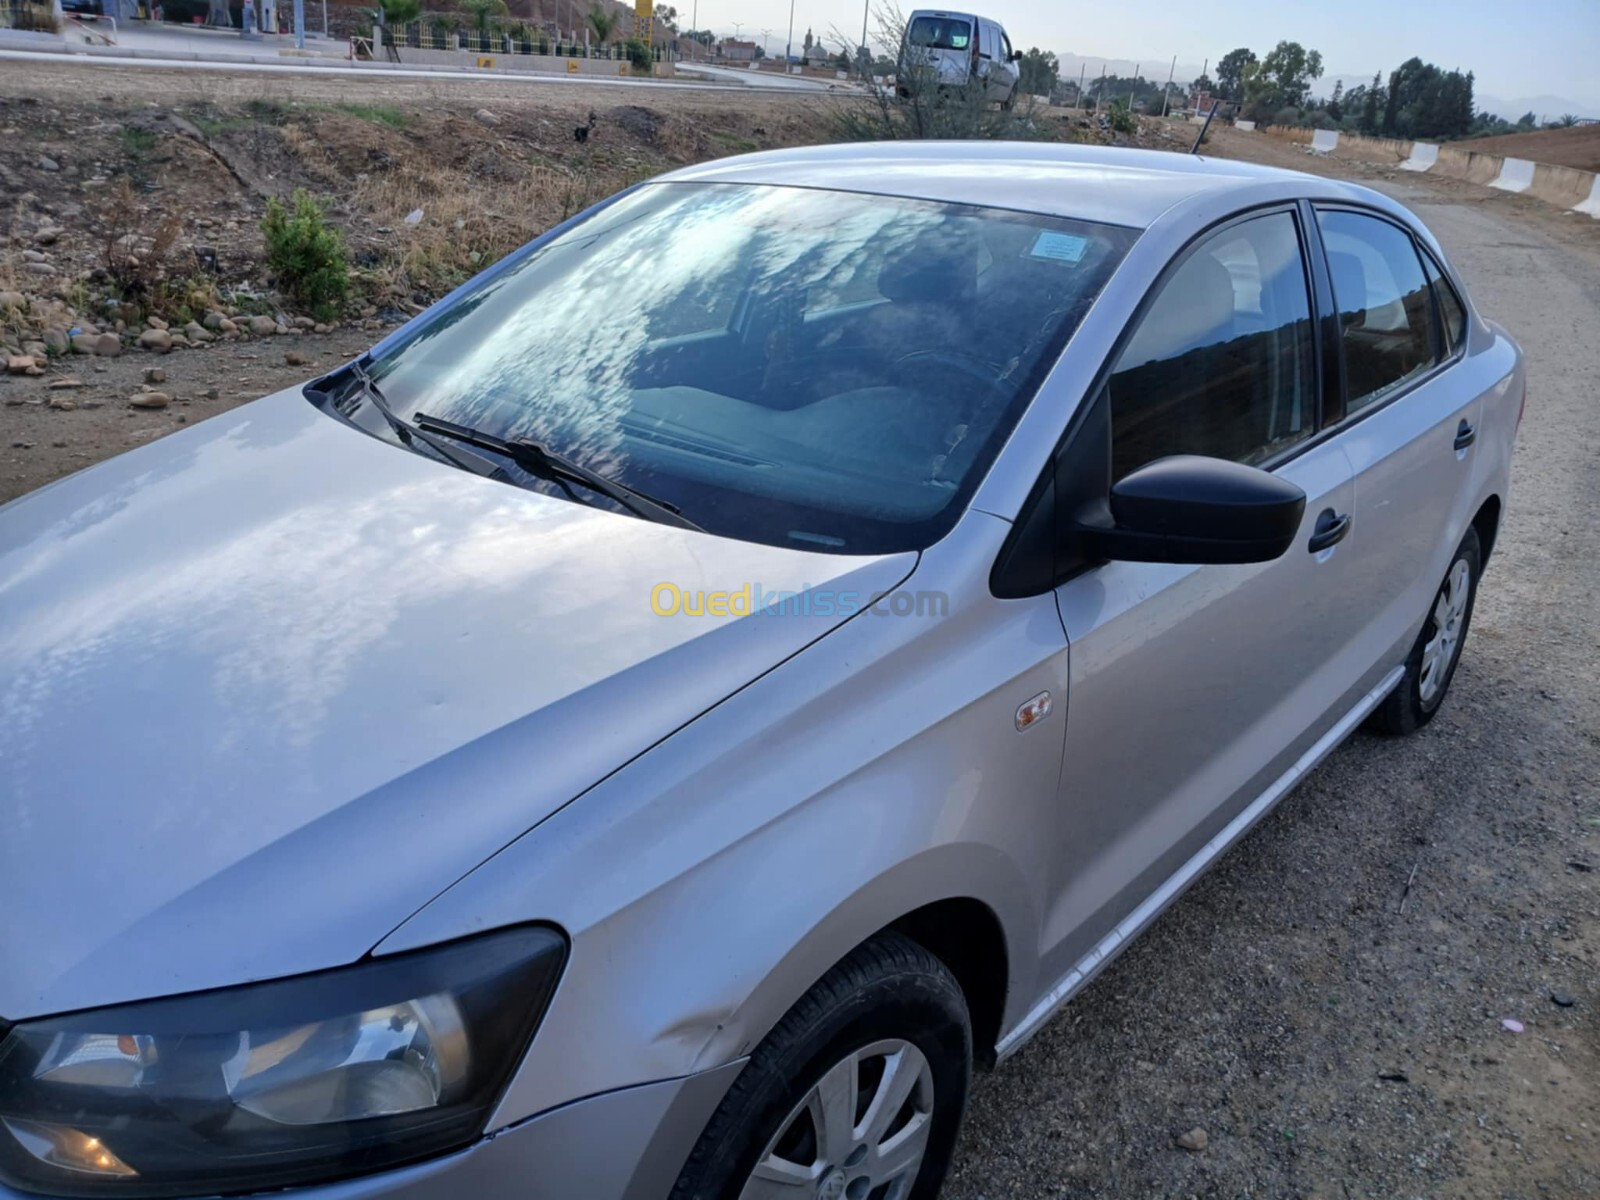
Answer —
(1330, 531)
(1465, 434)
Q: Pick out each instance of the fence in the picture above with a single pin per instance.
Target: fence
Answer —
(496, 40)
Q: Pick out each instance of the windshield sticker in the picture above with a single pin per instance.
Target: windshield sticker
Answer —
(1060, 247)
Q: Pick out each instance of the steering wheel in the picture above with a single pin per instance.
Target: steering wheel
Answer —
(984, 372)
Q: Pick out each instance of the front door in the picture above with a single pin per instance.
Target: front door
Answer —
(1194, 688)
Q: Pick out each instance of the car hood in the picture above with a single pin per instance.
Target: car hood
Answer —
(269, 685)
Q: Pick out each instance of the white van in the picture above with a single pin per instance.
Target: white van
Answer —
(962, 47)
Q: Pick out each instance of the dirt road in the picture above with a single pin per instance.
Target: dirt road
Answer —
(1329, 1044)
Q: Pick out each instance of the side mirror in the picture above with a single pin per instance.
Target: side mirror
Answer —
(1016, 56)
(1190, 509)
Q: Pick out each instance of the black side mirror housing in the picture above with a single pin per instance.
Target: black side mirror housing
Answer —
(1192, 509)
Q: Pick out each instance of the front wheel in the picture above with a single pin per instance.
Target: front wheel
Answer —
(1432, 662)
(858, 1092)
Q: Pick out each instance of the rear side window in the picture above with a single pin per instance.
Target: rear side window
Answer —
(1385, 312)
(1221, 364)
(1452, 313)
(941, 33)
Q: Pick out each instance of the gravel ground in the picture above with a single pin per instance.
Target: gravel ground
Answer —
(1328, 1043)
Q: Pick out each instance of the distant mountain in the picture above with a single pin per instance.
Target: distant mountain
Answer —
(1546, 108)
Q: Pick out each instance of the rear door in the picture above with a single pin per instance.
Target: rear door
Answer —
(1193, 689)
(1410, 425)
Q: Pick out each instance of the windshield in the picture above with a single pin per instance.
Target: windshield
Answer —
(783, 365)
(941, 33)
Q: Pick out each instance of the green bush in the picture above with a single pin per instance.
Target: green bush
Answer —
(640, 58)
(1121, 119)
(305, 256)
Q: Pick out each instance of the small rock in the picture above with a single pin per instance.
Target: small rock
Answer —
(56, 340)
(107, 345)
(1561, 999)
(47, 235)
(484, 117)
(38, 268)
(13, 300)
(155, 374)
(304, 323)
(66, 383)
(46, 163)
(1511, 1025)
(38, 351)
(414, 217)
(227, 326)
(19, 364)
(62, 403)
(157, 323)
(158, 340)
(1194, 1141)
(198, 334)
(319, 327)
(35, 256)
(149, 400)
(295, 359)
(263, 326)
(213, 320)
(19, 444)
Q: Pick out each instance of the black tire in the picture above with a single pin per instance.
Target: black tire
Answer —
(1009, 102)
(888, 988)
(1405, 710)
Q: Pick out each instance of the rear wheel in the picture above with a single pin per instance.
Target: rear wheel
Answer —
(855, 1095)
(1432, 662)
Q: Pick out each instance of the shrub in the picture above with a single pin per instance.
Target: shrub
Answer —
(1121, 119)
(640, 58)
(305, 256)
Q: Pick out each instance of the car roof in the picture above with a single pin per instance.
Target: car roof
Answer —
(1091, 183)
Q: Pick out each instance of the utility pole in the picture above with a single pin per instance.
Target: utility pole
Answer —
(866, 56)
(1100, 87)
(788, 47)
(1134, 91)
(299, 24)
(1167, 94)
(1082, 67)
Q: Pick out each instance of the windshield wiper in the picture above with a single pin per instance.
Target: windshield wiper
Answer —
(409, 433)
(537, 460)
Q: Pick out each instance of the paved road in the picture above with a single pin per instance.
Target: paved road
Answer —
(1329, 1044)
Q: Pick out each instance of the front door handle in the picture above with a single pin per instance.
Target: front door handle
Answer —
(1330, 531)
(1465, 434)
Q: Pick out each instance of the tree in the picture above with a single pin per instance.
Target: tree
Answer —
(1369, 110)
(1289, 69)
(481, 10)
(1566, 121)
(603, 22)
(400, 12)
(1039, 71)
(1202, 83)
(1231, 69)
(1527, 121)
(1336, 105)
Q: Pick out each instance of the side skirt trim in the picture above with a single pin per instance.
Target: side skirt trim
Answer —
(1131, 926)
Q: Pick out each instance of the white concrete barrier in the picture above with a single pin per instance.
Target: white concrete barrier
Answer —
(1247, 126)
(1423, 156)
(1323, 141)
(1516, 175)
(1592, 204)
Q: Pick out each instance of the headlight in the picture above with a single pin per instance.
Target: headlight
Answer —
(295, 1081)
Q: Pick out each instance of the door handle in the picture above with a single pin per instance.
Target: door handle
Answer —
(1465, 434)
(1330, 530)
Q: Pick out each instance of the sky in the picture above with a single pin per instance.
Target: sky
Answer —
(1519, 49)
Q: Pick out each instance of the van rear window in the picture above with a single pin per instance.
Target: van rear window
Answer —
(941, 33)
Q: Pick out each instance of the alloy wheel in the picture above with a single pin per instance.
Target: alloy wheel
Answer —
(860, 1133)
(1448, 618)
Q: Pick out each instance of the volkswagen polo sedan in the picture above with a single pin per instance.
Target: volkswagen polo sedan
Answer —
(650, 727)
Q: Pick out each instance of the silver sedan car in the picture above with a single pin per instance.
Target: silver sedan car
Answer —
(651, 727)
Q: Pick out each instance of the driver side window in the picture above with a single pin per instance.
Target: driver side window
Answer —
(1222, 362)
